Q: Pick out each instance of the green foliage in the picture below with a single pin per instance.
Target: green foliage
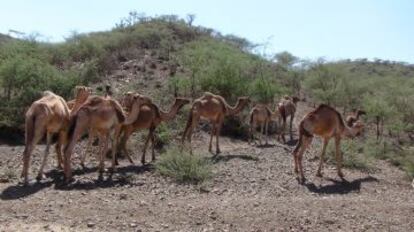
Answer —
(22, 80)
(183, 167)
(353, 156)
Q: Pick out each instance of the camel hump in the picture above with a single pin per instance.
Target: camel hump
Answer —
(118, 110)
(330, 108)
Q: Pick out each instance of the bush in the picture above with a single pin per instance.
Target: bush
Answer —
(183, 167)
(352, 154)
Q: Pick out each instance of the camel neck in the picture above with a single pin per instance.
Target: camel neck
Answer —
(166, 116)
(235, 109)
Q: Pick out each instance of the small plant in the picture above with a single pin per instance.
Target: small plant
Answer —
(183, 167)
(352, 154)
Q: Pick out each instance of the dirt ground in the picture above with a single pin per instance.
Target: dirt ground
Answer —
(253, 189)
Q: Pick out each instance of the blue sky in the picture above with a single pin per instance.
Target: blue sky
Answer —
(334, 29)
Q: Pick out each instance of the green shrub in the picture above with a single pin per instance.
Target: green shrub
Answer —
(353, 156)
(183, 167)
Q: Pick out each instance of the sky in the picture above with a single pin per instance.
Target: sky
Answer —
(333, 29)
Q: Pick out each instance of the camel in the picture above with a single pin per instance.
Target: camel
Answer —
(354, 116)
(213, 108)
(327, 123)
(102, 116)
(50, 115)
(149, 117)
(287, 108)
(261, 115)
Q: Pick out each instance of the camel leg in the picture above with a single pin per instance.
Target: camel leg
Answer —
(46, 154)
(251, 136)
(261, 133)
(325, 143)
(290, 126)
(81, 125)
(153, 145)
(146, 145)
(103, 142)
(115, 137)
(266, 132)
(338, 156)
(39, 130)
(218, 129)
(123, 144)
(194, 123)
(212, 133)
(298, 155)
(58, 147)
(91, 138)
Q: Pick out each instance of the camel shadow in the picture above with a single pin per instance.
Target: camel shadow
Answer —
(292, 142)
(339, 187)
(265, 145)
(123, 176)
(226, 158)
(20, 191)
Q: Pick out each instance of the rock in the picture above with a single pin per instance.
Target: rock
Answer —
(90, 224)
(123, 196)
(133, 225)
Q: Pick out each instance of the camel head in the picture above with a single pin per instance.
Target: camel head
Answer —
(182, 101)
(357, 129)
(127, 100)
(82, 93)
(135, 101)
(295, 99)
(244, 101)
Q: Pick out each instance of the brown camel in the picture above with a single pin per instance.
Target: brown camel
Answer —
(327, 123)
(261, 115)
(354, 116)
(149, 117)
(287, 108)
(50, 115)
(213, 108)
(102, 116)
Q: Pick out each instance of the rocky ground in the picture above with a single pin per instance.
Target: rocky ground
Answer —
(253, 189)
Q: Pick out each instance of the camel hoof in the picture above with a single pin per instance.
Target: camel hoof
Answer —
(143, 162)
(341, 175)
(39, 177)
(319, 174)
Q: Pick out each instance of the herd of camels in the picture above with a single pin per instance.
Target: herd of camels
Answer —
(113, 122)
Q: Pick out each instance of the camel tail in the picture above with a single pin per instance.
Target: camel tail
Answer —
(72, 125)
(302, 133)
(30, 124)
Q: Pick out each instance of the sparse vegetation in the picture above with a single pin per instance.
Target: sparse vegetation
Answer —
(201, 59)
(183, 167)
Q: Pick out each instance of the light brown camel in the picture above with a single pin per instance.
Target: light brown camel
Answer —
(149, 117)
(50, 115)
(261, 115)
(213, 108)
(327, 123)
(354, 116)
(287, 108)
(102, 116)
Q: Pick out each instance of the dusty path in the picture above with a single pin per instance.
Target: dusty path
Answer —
(253, 189)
